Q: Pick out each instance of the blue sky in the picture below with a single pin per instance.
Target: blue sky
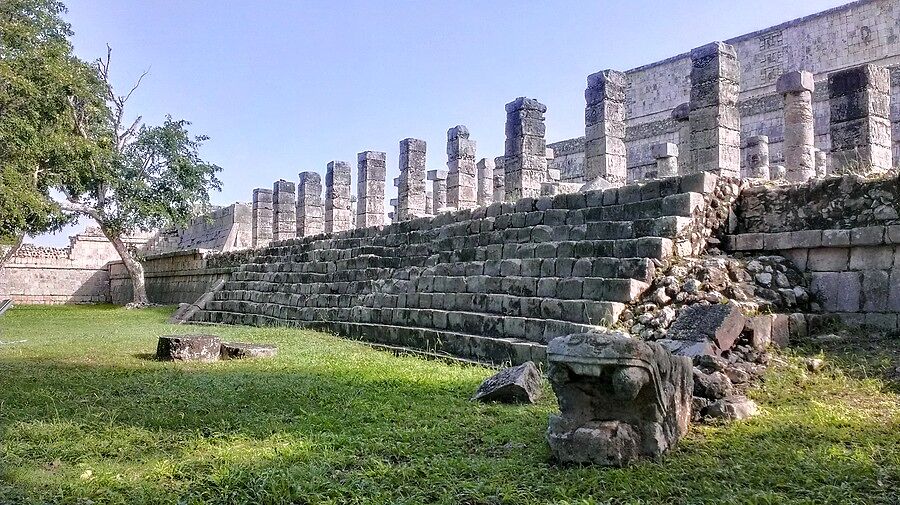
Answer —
(286, 86)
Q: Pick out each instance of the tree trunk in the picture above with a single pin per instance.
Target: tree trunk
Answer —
(134, 267)
(13, 249)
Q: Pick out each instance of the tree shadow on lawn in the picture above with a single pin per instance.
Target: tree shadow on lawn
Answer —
(862, 353)
(233, 433)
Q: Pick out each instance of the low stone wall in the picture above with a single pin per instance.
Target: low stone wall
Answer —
(225, 229)
(844, 233)
(175, 277)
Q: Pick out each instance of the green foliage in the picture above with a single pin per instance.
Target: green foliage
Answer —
(87, 417)
(41, 85)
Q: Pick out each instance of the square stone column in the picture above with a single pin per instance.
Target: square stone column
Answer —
(682, 117)
(284, 206)
(525, 167)
(859, 99)
(714, 118)
(485, 169)
(310, 211)
(371, 180)
(666, 156)
(604, 128)
(821, 164)
(411, 187)
(799, 140)
(338, 215)
(461, 176)
(438, 180)
(757, 161)
(429, 203)
(261, 217)
(499, 178)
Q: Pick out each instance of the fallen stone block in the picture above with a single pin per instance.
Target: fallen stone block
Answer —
(188, 347)
(621, 399)
(688, 348)
(518, 384)
(240, 350)
(720, 323)
(732, 408)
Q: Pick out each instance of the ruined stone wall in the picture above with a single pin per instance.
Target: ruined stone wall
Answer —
(225, 229)
(51, 275)
(175, 277)
(843, 232)
(493, 283)
(857, 33)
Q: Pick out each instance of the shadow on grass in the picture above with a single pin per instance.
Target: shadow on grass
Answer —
(258, 432)
(861, 353)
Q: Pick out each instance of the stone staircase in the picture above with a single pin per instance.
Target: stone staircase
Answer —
(493, 284)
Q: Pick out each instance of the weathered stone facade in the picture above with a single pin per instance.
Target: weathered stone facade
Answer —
(868, 34)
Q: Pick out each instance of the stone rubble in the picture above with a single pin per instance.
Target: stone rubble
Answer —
(518, 384)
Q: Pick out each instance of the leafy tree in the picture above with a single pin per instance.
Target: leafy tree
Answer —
(40, 83)
(151, 177)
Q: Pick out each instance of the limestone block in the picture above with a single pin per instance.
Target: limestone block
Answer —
(188, 347)
(519, 384)
(838, 291)
(721, 324)
(620, 399)
(240, 350)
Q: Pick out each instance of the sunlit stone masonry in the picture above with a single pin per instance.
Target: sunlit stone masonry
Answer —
(485, 181)
(714, 118)
(411, 187)
(499, 178)
(681, 115)
(525, 164)
(859, 100)
(604, 127)
(310, 212)
(338, 214)
(799, 137)
(757, 162)
(284, 218)
(461, 169)
(371, 179)
(438, 180)
(666, 156)
(261, 217)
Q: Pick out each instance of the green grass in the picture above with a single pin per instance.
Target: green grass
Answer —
(88, 417)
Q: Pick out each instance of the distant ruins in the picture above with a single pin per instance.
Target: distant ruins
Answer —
(763, 144)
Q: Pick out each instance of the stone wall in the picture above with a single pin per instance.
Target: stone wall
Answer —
(860, 32)
(225, 229)
(175, 277)
(494, 283)
(50, 275)
(843, 232)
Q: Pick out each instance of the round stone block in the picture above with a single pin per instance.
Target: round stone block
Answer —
(188, 347)
(240, 350)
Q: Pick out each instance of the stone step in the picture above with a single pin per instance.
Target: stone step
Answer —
(575, 310)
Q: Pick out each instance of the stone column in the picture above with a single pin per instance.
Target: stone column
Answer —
(821, 164)
(429, 203)
(392, 215)
(778, 172)
(485, 169)
(499, 178)
(682, 115)
(411, 187)
(525, 166)
(262, 217)
(371, 179)
(604, 128)
(310, 211)
(666, 156)
(353, 207)
(438, 180)
(859, 99)
(284, 216)
(461, 169)
(338, 216)
(757, 161)
(799, 147)
(714, 117)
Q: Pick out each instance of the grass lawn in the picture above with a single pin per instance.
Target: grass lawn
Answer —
(87, 416)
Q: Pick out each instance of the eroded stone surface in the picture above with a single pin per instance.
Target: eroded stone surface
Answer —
(239, 350)
(518, 384)
(188, 347)
(621, 399)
